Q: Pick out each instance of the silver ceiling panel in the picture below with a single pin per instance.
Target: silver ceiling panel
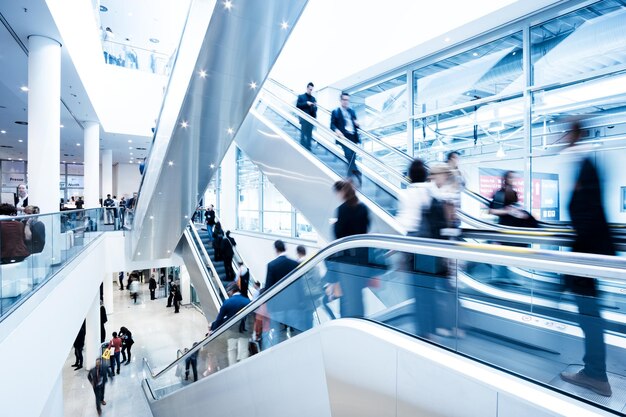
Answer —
(239, 47)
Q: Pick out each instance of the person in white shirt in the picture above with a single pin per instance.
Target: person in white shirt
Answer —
(21, 198)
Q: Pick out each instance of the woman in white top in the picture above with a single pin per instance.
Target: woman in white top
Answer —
(414, 198)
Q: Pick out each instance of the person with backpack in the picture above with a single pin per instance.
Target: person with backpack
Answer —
(127, 344)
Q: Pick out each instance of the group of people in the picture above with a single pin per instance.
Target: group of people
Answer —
(119, 210)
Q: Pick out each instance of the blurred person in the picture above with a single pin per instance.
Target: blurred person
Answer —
(593, 235)
(278, 268)
(192, 361)
(78, 345)
(127, 343)
(134, 289)
(116, 344)
(209, 217)
(352, 219)
(231, 306)
(227, 252)
(103, 320)
(20, 198)
(80, 203)
(218, 235)
(308, 104)
(243, 280)
(120, 277)
(301, 253)
(344, 123)
(152, 286)
(505, 205)
(34, 231)
(414, 198)
(12, 236)
(122, 210)
(170, 284)
(456, 183)
(178, 297)
(109, 205)
(97, 376)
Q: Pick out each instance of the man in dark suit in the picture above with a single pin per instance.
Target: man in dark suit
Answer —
(592, 236)
(307, 103)
(279, 267)
(231, 306)
(98, 378)
(20, 199)
(344, 123)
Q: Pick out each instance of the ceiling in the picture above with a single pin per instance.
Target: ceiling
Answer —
(159, 19)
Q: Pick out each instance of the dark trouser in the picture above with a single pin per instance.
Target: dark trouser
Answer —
(169, 299)
(228, 269)
(592, 326)
(306, 134)
(115, 358)
(152, 290)
(98, 390)
(351, 155)
(125, 349)
(194, 368)
(122, 283)
(78, 352)
(176, 306)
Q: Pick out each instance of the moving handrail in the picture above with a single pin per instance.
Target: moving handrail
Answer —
(579, 264)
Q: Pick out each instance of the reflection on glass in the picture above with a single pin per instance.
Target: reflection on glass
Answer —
(277, 223)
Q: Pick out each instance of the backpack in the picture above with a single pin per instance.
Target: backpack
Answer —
(433, 219)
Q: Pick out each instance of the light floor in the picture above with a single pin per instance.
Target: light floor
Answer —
(157, 332)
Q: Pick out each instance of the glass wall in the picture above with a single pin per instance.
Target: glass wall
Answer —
(505, 100)
(262, 208)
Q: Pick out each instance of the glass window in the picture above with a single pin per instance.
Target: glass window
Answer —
(277, 223)
(484, 71)
(75, 169)
(382, 108)
(248, 187)
(580, 43)
(304, 229)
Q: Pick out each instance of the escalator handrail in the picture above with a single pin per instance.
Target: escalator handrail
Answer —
(580, 264)
(207, 259)
(369, 135)
(402, 179)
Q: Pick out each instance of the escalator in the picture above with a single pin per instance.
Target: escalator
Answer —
(406, 304)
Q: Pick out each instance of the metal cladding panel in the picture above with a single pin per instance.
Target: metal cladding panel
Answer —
(239, 47)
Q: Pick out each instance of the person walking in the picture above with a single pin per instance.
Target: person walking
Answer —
(79, 343)
(127, 344)
(152, 286)
(120, 277)
(170, 297)
(308, 104)
(134, 289)
(227, 252)
(218, 235)
(210, 220)
(178, 297)
(352, 219)
(97, 376)
(344, 123)
(192, 361)
(593, 235)
(116, 344)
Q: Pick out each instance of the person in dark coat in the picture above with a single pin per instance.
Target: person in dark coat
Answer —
(192, 361)
(170, 297)
(344, 123)
(593, 235)
(12, 245)
(227, 252)
(218, 235)
(352, 219)
(279, 267)
(152, 285)
(79, 343)
(98, 378)
(103, 319)
(127, 344)
(307, 103)
(177, 296)
(34, 230)
(231, 306)
(209, 216)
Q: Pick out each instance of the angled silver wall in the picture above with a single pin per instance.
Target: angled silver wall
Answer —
(207, 99)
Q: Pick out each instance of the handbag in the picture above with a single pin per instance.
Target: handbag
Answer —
(106, 354)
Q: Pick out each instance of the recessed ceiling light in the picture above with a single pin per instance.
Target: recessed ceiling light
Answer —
(252, 85)
(63, 161)
(130, 162)
(169, 251)
(170, 163)
(3, 132)
(61, 126)
(131, 153)
(19, 159)
(228, 4)
(138, 253)
(10, 159)
(130, 147)
(20, 140)
(186, 217)
(514, 53)
(103, 9)
(475, 54)
(154, 40)
(284, 25)
(24, 88)
(212, 166)
(202, 74)
(230, 131)
(130, 141)
(184, 124)
(446, 39)
(151, 217)
(77, 144)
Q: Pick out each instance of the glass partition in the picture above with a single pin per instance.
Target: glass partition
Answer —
(35, 247)
(488, 304)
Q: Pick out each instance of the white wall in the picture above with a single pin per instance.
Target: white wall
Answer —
(126, 180)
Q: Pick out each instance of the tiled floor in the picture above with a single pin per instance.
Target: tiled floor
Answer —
(158, 333)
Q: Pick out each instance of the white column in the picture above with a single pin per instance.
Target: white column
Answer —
(91, 147)
(54, 405)
(44, 120)
(107, 173)
(185, 289)
(92, 336)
